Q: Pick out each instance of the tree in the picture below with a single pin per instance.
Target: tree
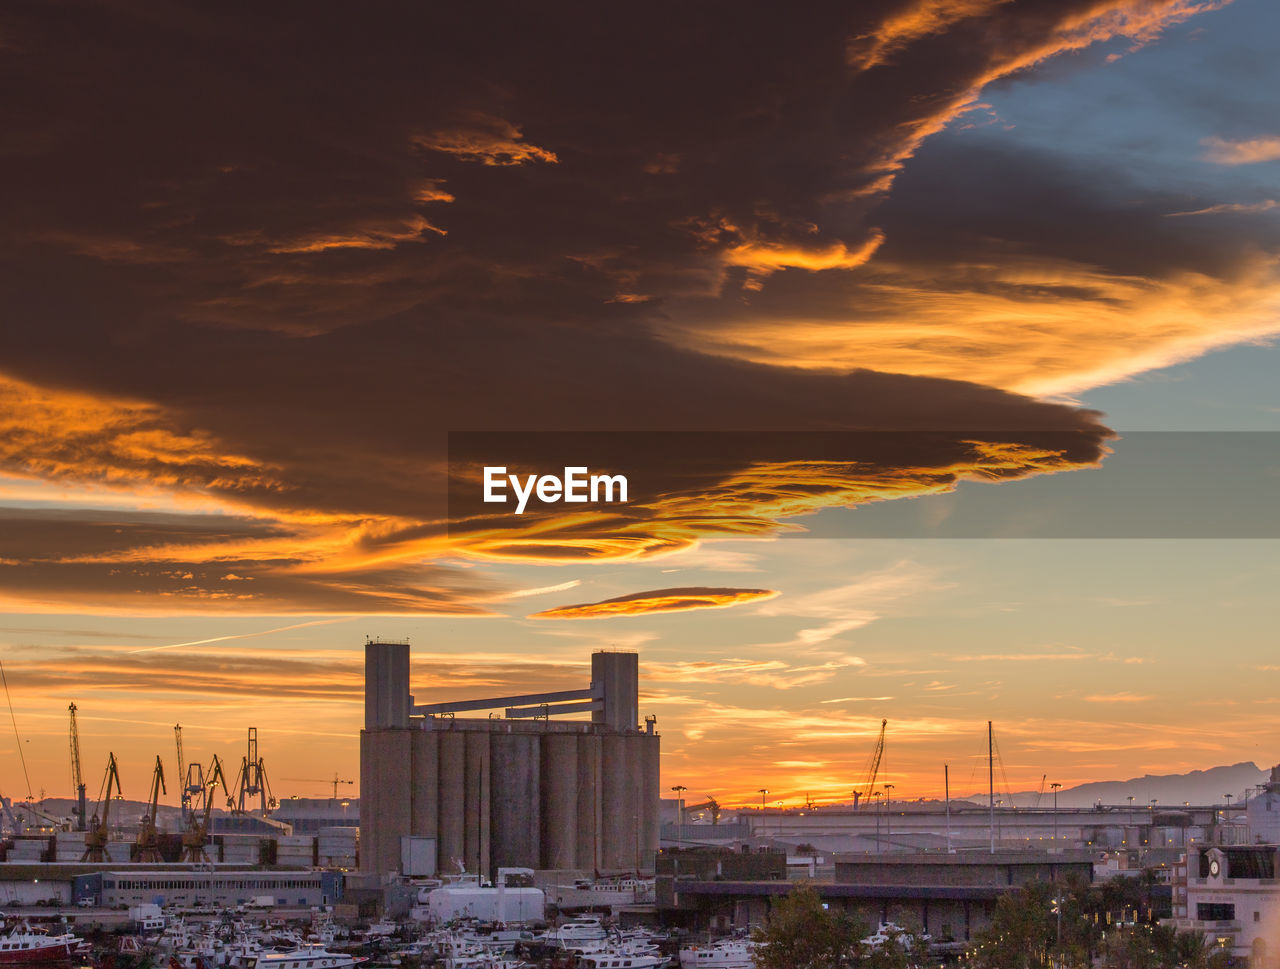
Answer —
(1023, 930)
(801, 934)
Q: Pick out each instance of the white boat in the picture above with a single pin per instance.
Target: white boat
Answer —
(303, 957)
(725, 954)
(588, 928)
(499, 940)
(588, 893)
(459, 956)
(619, 959)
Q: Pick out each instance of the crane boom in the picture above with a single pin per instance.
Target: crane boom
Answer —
(147, 848)
(77, 780)
(1040, 793)
(335, 780)
(197, 832)
(95, 838)
(184, 796)
(710, 804)
(873, 770)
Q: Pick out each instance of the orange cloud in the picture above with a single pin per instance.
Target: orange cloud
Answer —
(377, 236)
(1247, 151)
(55, 435)
(1242, 208)
(763, 257)
(1007, 325)
(657, 600)
(489, 141)
(1140, 21)
(921, 19)
(1117, 698)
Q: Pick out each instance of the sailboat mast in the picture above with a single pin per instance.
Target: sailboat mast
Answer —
(991, 784)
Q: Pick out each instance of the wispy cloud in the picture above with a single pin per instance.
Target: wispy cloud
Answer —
(1242, 151)
(1232, 208)
(223, 639)
(543, 590)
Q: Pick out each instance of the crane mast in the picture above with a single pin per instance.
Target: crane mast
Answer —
(77, 780)
(252, 780)
(95, 838)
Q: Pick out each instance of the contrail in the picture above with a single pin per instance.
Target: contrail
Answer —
(264, 632)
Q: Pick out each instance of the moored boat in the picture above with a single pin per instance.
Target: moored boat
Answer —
(303, 957)
(726, 954)
(24, 946)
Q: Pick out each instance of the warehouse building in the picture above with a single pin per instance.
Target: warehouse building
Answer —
(518, 790)
(217, 887)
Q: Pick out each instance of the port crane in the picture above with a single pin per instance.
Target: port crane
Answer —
(95, 838)
(196, 833)
(1039, 793)
(184, 800)
(77, 780)
(252, 780)
(710, 805)
(335, 781)
(873, 769)
(147, 849)
(191, 777)
(15, 823)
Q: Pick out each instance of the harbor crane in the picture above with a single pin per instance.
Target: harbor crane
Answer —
(196, 833)
(873, 769)
(95, 838)
(1039, 793)
(710, 805)
(147, 849)
(335, 781)
(191, 777)
(184, 799)
(77, 780)
(252, 780)
(15, 823)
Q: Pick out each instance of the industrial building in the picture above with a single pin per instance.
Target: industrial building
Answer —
(219, 887)
(517, 790)
(949, 896)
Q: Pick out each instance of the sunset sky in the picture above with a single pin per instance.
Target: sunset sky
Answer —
(261, 262)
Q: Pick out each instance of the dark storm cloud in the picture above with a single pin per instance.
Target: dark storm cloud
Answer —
(269, 254)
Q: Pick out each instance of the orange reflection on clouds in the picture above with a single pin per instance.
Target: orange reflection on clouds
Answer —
(50, 434)
(1008, 326)
(657, 600)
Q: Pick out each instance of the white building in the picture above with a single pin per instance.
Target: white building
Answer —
(1230, 894)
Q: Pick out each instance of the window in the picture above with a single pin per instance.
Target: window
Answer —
(1215, 911)
(1251, 863)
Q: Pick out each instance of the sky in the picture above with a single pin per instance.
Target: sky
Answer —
(942, 334)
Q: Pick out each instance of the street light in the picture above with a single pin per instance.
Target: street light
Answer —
(877, 794)
(763, 791)
(1055, 785)
(679, 790)
(888, 816)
